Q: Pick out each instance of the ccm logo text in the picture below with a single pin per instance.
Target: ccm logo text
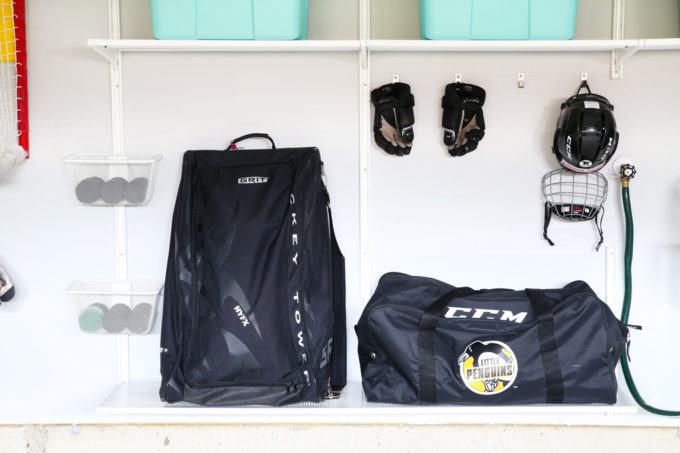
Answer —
(484, 313)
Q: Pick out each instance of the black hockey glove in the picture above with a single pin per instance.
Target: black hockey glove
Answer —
(393, 123)
(463, 119)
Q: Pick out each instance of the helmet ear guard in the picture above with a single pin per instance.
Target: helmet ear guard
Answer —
(586, 136)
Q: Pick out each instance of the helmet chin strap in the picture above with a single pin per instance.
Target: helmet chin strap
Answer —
(546, 222)
(598, 225)
(599, 217)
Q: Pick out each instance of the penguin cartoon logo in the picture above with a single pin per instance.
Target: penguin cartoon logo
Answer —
(488, 367)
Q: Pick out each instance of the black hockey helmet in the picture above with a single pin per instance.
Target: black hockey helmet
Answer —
(586, 136)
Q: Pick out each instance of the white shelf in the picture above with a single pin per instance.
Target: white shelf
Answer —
(111, 49)
(500, 46)
(660, 44)
(621, 49)
(107, 46)
(140, 399)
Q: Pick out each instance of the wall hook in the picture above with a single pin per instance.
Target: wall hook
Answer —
(459, 78)
(584, 77)
(395, 78)
(520, 80)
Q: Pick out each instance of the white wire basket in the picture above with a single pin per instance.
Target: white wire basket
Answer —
(116, 307)
(107, 180)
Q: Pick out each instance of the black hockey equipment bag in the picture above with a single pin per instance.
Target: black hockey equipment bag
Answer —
(422, 341)
(254, 308)
(394, 119)
(463, 118)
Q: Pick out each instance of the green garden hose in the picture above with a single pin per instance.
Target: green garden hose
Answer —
(627, 173)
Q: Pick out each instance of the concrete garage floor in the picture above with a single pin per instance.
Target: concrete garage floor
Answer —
(333, 438)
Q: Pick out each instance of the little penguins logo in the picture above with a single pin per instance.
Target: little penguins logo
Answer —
(488, 367)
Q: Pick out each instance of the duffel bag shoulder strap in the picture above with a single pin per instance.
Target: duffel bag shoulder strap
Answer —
(339, 349)
(546, 337)
(426, 353)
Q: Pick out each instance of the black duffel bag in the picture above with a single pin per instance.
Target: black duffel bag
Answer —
(254, 307)
(424, 341)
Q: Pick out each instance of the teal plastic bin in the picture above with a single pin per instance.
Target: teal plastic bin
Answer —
(229, 19)
(498, 19)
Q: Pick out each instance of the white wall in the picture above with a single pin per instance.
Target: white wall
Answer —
(475, 220)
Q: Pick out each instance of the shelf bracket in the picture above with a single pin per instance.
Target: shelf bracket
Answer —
(618, 57)
(108, 54)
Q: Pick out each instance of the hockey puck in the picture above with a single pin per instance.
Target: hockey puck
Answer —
(139, 317)
(113, 190)
(115, 319)
(90, 319)
(89, 190)
(135, 191)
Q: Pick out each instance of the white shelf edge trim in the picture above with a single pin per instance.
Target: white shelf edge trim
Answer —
(501, 46)
(107, 47)
(660, 44)
(111, 159)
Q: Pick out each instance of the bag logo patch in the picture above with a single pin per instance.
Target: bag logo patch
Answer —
(253, 180)
(488, 367)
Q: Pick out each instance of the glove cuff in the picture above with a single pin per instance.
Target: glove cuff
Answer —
(459, 95)
(392, 95)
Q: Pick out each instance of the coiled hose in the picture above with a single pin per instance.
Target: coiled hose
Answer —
(627, 173)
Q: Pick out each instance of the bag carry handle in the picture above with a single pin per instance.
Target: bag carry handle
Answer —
(232, 144)
(426, 354)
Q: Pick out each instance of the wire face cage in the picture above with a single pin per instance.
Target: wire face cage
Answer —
(574, 196)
